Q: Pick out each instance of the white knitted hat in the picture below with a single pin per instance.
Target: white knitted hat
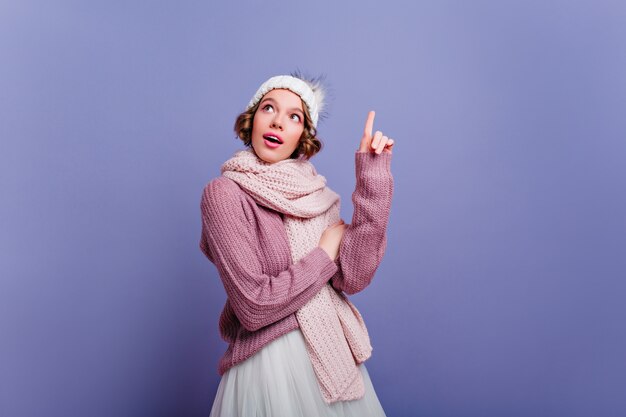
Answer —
(311, 92)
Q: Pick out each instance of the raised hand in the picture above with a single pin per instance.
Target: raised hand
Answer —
(378, 143)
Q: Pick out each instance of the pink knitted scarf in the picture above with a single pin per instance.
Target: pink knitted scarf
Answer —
(335, 333)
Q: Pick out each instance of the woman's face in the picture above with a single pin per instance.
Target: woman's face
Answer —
(277, 125)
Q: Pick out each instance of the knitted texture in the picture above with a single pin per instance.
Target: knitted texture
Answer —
(266, 287)
(293, 187)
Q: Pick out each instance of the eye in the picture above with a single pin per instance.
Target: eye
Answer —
(266, 106)
(297, 117)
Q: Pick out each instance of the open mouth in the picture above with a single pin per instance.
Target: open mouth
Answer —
(272, 139)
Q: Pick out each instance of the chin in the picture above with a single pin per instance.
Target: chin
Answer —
(268, 157)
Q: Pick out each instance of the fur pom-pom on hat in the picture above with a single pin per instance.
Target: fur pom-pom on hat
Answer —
(310, 90)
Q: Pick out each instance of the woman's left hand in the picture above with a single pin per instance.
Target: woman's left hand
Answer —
(375, 144)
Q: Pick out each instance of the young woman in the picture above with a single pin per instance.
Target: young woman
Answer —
(271, 226)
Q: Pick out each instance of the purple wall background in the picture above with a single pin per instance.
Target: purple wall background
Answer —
(502, 289)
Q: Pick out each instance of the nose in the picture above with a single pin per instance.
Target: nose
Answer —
(276, 123)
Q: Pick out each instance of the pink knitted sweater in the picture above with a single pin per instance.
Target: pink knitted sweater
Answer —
(248, 244)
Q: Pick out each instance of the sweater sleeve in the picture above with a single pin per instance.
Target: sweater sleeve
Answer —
(365, 239)
(228, 240)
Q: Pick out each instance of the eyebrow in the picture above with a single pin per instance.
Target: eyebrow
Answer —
(274, 101)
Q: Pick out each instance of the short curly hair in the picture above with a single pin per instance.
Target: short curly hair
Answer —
(308, 144)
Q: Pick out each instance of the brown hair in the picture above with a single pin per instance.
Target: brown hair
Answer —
(308, 145)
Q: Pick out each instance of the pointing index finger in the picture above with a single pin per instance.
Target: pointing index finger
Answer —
(369, 124)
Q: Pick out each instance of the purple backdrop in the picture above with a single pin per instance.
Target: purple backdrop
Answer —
(501, 292)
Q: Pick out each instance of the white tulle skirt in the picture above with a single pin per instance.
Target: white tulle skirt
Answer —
(279, 381)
